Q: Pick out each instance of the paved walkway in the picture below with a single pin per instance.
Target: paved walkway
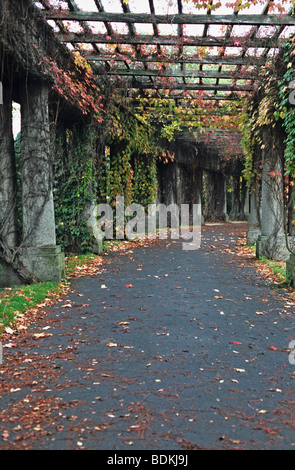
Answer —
(165, 349)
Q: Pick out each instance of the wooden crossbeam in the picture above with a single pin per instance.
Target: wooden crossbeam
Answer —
(74, 7)
(192, 115)
(206, 29)
(185, 87)
(227, 35)
(187, 98)
(206, 60)
(183, 74)
(189, 19)
(194, 41)
(184, 97)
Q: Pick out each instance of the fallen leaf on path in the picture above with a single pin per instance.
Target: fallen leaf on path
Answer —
(41, 335)
(9, 345)
(271, 431)
(5, 435)
(9, 331)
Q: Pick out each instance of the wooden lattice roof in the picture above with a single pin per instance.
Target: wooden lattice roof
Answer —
(161, 44)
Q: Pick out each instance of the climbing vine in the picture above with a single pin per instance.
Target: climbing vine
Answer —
(135, 145)
(262, 110)
(75, 184)
(286, 87)
(77, 85)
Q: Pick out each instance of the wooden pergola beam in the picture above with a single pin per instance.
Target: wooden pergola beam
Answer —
(185, 87)
(193, 41)
(247, 20)
(194, 114)
(137, 74)
(207, 60)
(188, 97)
(183, 74)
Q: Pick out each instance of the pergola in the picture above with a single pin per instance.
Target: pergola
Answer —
(147, 49)
(160, 45)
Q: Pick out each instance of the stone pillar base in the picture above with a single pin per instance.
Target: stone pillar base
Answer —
(272, 248)
(290, 271)
(252, 235)
(8, 277)
(97, 247)
(47, 263)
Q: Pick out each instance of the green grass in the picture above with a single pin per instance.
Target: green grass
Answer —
(278, 268)
(17, 300)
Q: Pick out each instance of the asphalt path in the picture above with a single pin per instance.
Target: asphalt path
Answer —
(164, 349)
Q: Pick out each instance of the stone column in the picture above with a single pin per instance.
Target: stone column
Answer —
(221, 197)
(236, 197)
(247, 204)
(254, 218)
(195, 189)
(38, 208)
(215, 186)
(271, 243)
(209, 190)
(40, 253)
(8, 187)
